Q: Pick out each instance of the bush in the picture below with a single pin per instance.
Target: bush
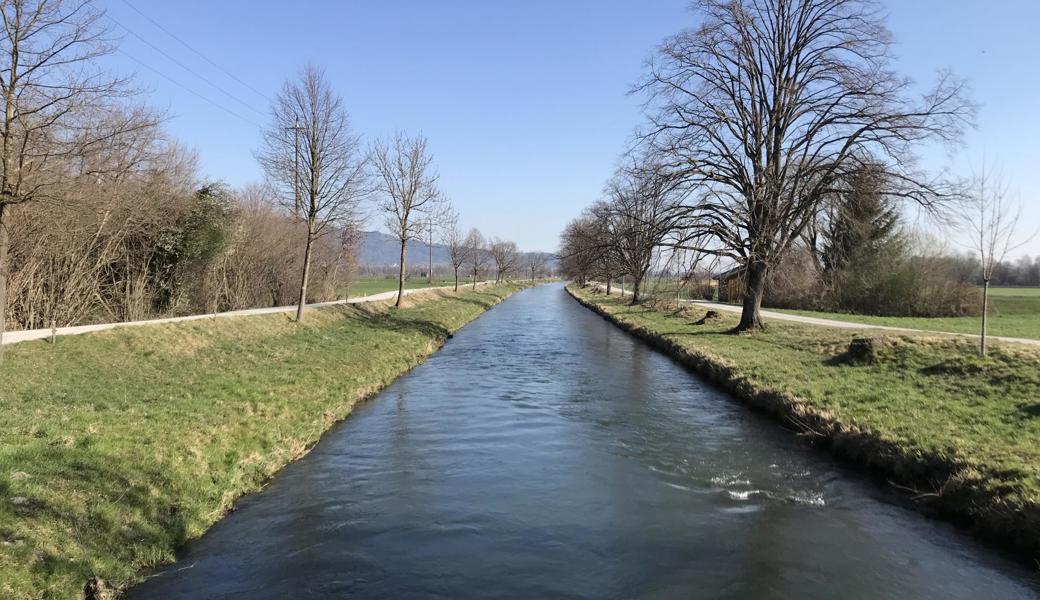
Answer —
(795, 282)
(892, 283)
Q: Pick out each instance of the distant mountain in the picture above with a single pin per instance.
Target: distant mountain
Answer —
(379, 249)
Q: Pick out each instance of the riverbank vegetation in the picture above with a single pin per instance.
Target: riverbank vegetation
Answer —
(119, 446)
(962, 433)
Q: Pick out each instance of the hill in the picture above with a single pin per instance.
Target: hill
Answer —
(378, 249)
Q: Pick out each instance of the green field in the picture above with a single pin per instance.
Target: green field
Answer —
(928, 396)
(119, 446)
(1014, 312)
(368, 285)
(1026, 292)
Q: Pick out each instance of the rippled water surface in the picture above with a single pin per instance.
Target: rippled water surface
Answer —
(544, 453)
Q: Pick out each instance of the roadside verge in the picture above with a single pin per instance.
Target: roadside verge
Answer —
(959, 435)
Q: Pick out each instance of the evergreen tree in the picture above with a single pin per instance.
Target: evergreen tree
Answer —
(864, 223)
(863, 247)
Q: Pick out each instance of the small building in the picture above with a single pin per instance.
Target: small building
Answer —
(731, 285)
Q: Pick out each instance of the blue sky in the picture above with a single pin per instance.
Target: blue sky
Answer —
(524, 102)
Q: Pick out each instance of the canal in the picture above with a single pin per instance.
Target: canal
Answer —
(544, 453)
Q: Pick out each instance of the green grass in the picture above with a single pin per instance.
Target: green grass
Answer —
(1028, 292)
(117, 447)
(1014, 312)
(929, 395)
(366, 286)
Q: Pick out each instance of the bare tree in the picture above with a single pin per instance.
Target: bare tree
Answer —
(56, 101)
(314, 161)
(262, 269)
(765, 105)
(638, 218)
(991, 219)
(476, 253)
(505, 256)
(535, 264)
(586, 250)
(408, 191)
(451, 237)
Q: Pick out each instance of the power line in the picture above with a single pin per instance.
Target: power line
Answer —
(198, 53)
(184, 66)
(188, 89)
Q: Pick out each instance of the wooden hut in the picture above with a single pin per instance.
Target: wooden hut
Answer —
(731, 285)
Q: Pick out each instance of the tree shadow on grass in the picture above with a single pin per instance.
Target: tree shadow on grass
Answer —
(469, 299)
(109, 513)
(398, 323)
(715, 333)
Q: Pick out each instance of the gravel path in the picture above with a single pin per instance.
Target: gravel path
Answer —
(769, 314)
(14, 337)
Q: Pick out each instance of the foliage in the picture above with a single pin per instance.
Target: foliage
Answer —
(864, 263)
(864, 225)
(184, 251)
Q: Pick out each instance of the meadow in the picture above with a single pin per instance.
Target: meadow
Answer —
(374, 284)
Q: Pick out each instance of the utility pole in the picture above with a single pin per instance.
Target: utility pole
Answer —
(430, 273)
(297, 205)
(678, 277)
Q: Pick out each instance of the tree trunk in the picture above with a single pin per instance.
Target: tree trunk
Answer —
(5, 241)
(456, 279)
(306, 276)
(609, 281)
(400, 273)
(754, 289)
(636, 282)
(985, 309)
(429, 275)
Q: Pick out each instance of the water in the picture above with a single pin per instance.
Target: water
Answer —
(544, 453)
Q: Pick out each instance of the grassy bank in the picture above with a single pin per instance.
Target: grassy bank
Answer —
(1014, 312)
(962, 434)
(117, 447)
